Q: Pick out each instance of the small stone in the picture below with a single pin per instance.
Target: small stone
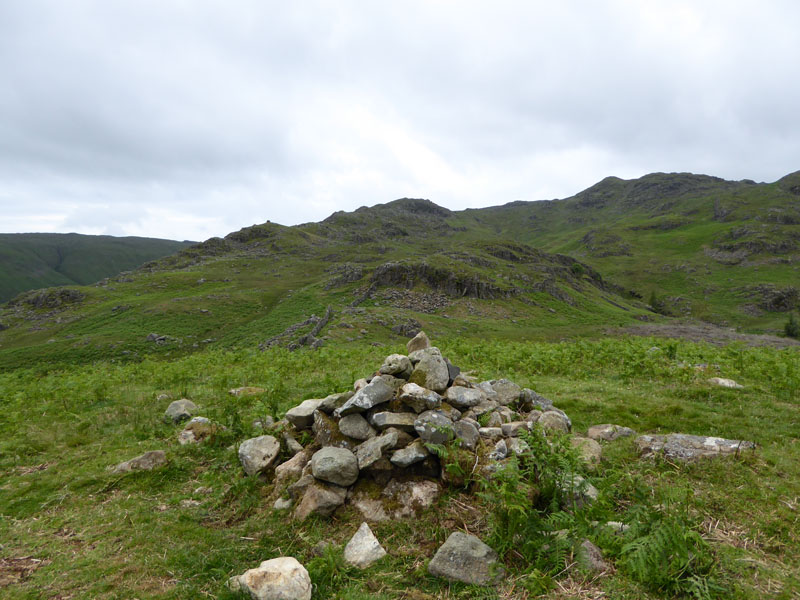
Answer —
(500, 451)
(401, 421)
(291, 444)
(258, 454)
(320, 498)
(356, 427)
(467, 433)
(418, 342)
(529, 400)
(282, 504)
(418, 398)
(299, 487)
(466, 558)
(517, 446)
(581, 492)
(495, 420)
(292, 468)
(180, 410)
(726, 383)
(372, 450)
(433, 427)
(363, 549)
(463, 398)
(146, 462)
(277, 579)
(302, 415)
(196, 430)
(413, 453)
(334, 401)
(608, 432)
(335, 465)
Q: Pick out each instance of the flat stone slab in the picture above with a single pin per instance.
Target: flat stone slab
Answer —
(375, 392)
(302, 415)
(685, 447)
(465, 558)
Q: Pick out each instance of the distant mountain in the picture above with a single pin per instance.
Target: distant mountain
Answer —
(37, 260)
(618, 253)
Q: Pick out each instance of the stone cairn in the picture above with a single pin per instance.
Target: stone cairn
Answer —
(375, 447)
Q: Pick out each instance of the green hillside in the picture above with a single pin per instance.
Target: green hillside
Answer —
(38, 260)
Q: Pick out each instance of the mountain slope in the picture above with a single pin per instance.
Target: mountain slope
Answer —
(38, 260)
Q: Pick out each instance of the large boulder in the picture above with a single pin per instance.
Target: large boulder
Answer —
(258, 454)
(146, 462)
(302, 415)
(335, 465)
(465, 558)
(431, 371)
(363, 549)
(277, 579)
(375, 392)
(684, 447)
(180, 410)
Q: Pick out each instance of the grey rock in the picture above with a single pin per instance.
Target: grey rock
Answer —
(403, 438)
(514, 428)
(588, 449)
(726, 383)
(507, 391)
(413, 453)
(411, 497)
(684, 447)
(334, 401)
(393, 382)
(463, 398)
(375, 392)
(418, 342)
(180, 410)
(490, 433)
(321, 499)
(608, 432)
(372, 450)
(282, 504)
(292, 468)
(327, 433)
(590, 558)
(418, 398)
(302, 415)
(453, 371)
(484, 407)
(449, 411)
(277, 579)
(529, 400)
(488, 390)
(359, 384)
(516, 446)
(363, 549)
(248, 390)
(506, 414)
(291, 444)
(397, 365)
(431, 370)
(434, 427)
(465, 558)
(495, 420)
(500, 451)
(196, 430)
(467, 432)
(258, 454)
(356, 427)
(335, 465)
(299, 487)
(146, 462)
(581, 493)
(401, 421)
(554, 421)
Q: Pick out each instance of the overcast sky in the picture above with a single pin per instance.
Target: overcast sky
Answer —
(188, 119)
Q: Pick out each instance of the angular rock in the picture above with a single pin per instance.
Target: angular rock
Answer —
(302, 415)
(484, 407)
(363, 549)
(277, 579)
(418, 342)
(726, 383)
(321, 499)
(490, 433)
(258, 454)
(334, 401)
(554, 421)
(507, 391)
(467, 433)
(413, 453)
(327, 433)
(375, 392)
(488, 390)
(291, 444)
(372, 450)
(180, 410)
(494, 420)
(299, 487)
(463, 398)
(448, 411)
(355, 426)
(590, 558)
(418, 398)
(431, 370)
(529, 400)
(465, 558)
(292, 468)
(608, 432)
(401, 421)
(146, 462)
(500, 451)
(684, 447)
(433, 427)
(335, 465)
(514, 428)
(397, 365)
(403, 438)
(453, 371)
(282, 504)
(393, 382)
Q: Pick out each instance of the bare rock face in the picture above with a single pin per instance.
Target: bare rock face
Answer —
(180, 410)
(608, 432)
(418, 342)
(281, 578)
(465, 558)
(431, 371)
(684, 447)
(258, 454)
(363, 549)
(335, 465)
(146, 462)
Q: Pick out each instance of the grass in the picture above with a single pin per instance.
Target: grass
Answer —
(181, 531)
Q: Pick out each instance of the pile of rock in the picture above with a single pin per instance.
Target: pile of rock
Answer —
(377, 445)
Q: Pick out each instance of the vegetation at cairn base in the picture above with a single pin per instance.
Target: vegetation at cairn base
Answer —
(792, 327)
(181, 531)
(39, 260)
